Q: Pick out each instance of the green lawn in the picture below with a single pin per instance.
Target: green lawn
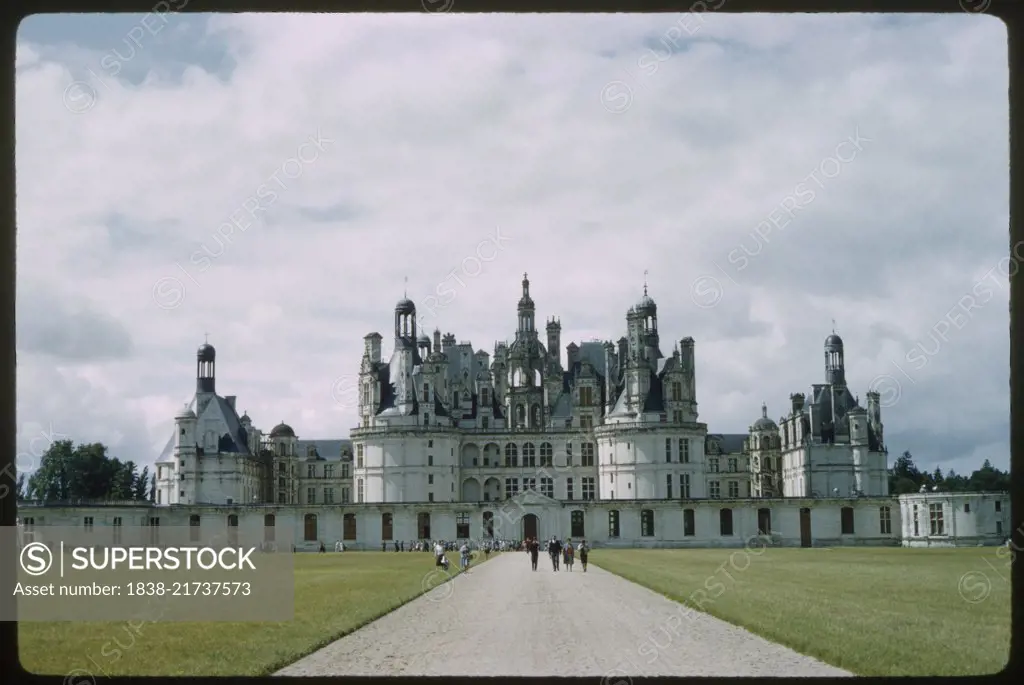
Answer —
(872, 611)
(334, 595)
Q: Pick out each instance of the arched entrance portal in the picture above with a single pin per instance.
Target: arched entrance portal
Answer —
(529, 526)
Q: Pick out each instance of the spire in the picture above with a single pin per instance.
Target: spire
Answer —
(833, 326)
(645, 282)
(764, 410)
(405, 290)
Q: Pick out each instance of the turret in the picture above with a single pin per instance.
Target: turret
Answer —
(554, 329)
(835, 373)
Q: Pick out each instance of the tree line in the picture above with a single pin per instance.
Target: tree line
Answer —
(905, 477)
(68, 472)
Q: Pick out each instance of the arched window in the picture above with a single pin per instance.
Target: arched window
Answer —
(725, 522)
(613, 523)
(310, 528)
(535, 416)
(233, 529)
(423, 526)
(349, 527)
(511, 458)
(269, 532)
(647, 523)
(576, 527)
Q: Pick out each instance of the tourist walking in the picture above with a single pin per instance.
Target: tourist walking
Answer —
(439, 553)
(570, 552)
(464, 556)
(533, 547)
(553, 552)
(584, 551)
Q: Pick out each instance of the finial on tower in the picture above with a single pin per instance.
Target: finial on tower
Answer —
(764, 410)
(405, 289)
(833, 326)
(207, 336)
(525, 278)
(645, 282)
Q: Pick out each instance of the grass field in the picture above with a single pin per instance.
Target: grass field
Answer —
(334, 595)
(874, 612)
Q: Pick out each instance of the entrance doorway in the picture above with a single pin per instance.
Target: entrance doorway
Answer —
(529, 526)
(805, 527)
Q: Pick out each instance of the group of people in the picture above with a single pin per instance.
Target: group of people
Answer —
(465, 554)
(561, 553)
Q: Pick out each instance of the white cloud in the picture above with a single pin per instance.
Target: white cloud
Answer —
(444, 128)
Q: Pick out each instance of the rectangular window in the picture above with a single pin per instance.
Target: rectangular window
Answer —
(328, 495)
(733, 465)
(846, 520)
(346, 471)
(677, 392)
(485, 422)
(613, 524)
(885, 520)
(511, 487)
(967, 507)
(547, 487)
(712, 465)
(430, 460)
(586, 397)
(311, 471)
(668, 486)
(529, 484)
(310, 495)
(689, 523)
(916, 524)
(684, 451)
(359, 450)
(568, 488)
(359, 491)
(430, 497)
(345, 495)
(587, 422)
(668, 450)
(935, 518)
(587, 453)
(734, 489)
(714, 489)
(462, 525)
(430, 479)
(684, 485)
(764, 521)
(588, 488)
(88, 522)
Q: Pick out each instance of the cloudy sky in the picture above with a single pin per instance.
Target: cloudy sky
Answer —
(273, 180)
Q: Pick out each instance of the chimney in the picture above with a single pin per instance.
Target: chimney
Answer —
(372, 342)
(798, 402)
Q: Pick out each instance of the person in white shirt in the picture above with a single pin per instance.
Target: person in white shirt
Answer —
(439, 556)
(464, 556)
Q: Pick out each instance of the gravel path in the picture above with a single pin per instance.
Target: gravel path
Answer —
(501, 619)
